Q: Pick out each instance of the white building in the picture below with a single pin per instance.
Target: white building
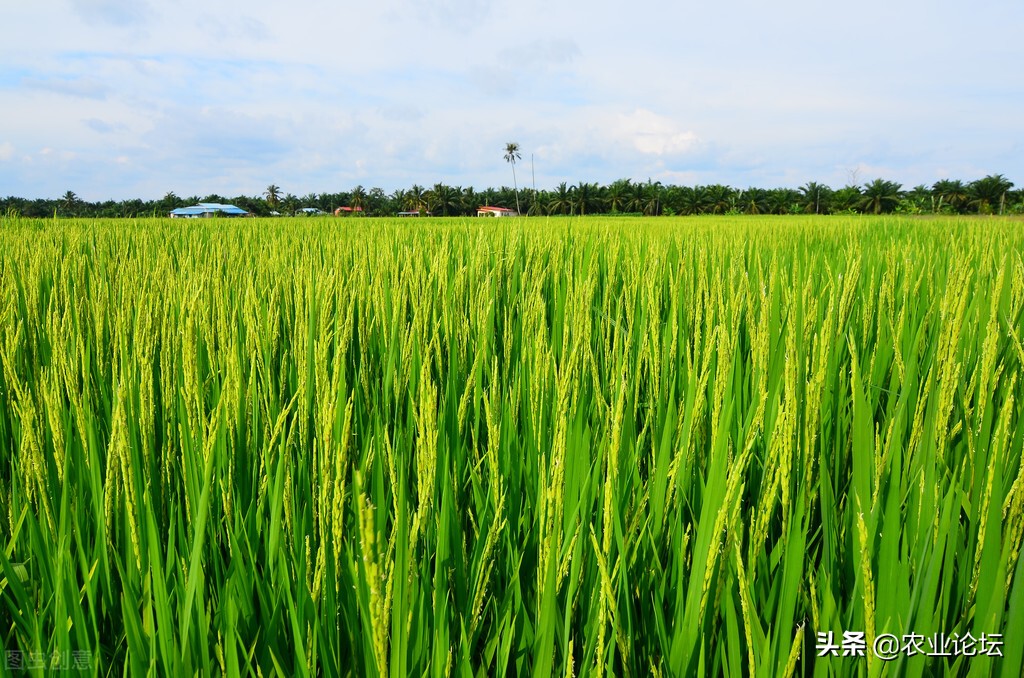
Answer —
(488, 211)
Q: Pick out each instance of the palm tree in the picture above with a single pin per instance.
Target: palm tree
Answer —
(846, 198)
(290, 203)
(917, 200)
(654, 194)
(618, 195)
(637, 197)
(169, 202)
(692, 199)
(273, 195)
(357, 198)
(952, 193)
(583, 195)
(880, 196)
(468, 200)
(814, 197)
(69, 202)
(720, 198)
(780, 200)
(536, 207)
(444, 198)
(511, 155)
(561, 200)
(488, 196)
(415, 199)
(987, 192)
(753, 201)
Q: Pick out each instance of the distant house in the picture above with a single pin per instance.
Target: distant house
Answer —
(414, 213)
(488, 211)
(208, 209)
(345, 211)
(310, 211)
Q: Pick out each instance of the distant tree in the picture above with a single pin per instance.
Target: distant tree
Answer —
(989, 193)
(752, 201)
(692, 200)
(619, 195)
(950, 194)
(537, 204)
(636, 196)
(655, 194)
(560, 201)
(584, 197)
(469, 200)
(273, 196)
(69, 203)
(846, 199)
(133, 208)
(415, 199)
(444, 199)
(880, 196)
(376, 202)
(504, 197)
(511, 156)
(252, 204)
(169, 202)
(312, 200)
(917, 200)
(719, 199)
(290, 203)
(1015, 202)
(814, 197)
(357, 197)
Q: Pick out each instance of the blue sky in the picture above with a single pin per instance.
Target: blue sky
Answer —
(134, 98)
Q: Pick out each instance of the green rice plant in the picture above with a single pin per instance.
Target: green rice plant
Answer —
(564, 446)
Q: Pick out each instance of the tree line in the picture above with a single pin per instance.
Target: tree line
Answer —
(993, 194)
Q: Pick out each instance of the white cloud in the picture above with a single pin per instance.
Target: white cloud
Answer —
(6, 151)
(655, 134)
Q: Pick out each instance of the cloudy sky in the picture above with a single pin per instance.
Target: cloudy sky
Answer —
(135, 98)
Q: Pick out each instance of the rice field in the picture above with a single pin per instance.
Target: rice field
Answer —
(661, 447)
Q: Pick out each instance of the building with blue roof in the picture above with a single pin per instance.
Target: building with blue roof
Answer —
(208, 209)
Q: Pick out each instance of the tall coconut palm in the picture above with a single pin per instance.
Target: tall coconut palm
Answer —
(511, 155)
(273, 195)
